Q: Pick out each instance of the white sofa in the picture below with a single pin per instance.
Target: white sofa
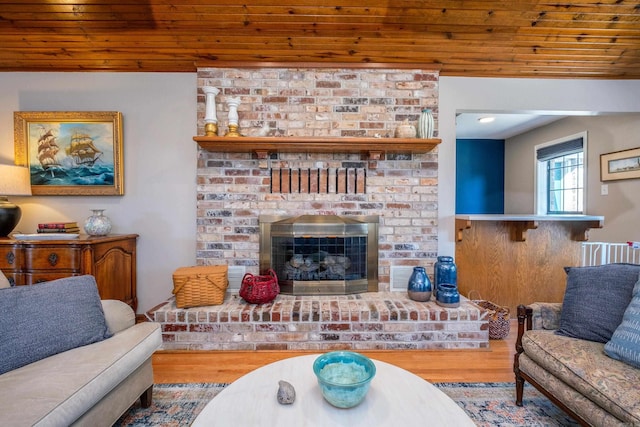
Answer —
(90, 385)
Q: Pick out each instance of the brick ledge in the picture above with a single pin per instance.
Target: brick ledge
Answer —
(377, 320)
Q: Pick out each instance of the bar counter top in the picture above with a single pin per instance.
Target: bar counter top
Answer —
(523, 222)
(528, 217)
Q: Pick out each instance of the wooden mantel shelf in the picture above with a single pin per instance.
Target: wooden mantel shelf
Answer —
(519, 224)
(263, 146)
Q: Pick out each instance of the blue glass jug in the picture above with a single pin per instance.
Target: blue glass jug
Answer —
(444, 271)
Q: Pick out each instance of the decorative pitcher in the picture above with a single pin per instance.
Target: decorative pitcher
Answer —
(406, 130)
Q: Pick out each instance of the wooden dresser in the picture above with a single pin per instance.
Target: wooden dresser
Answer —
(111, 259)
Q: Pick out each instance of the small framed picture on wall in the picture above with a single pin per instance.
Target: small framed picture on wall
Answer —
(620, 165)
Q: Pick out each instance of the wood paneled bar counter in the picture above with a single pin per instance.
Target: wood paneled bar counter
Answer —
(519, 259)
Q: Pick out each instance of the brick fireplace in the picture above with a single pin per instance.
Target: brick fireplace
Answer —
(234, 189)
(399, 188)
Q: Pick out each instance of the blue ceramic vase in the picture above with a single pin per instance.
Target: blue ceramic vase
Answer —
(419, 286)
(448, 296)
(444, 271)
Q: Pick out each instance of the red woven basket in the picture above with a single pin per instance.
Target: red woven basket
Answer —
(256, 289)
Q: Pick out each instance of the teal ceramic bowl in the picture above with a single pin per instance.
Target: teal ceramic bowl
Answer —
(344, 377)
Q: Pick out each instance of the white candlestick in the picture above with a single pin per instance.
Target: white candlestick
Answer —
(233, 104)
(210, 104)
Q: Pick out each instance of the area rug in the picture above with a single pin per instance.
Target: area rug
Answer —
(488, 404)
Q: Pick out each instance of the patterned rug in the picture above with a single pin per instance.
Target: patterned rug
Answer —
(488, 404)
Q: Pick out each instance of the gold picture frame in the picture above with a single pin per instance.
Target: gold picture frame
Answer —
(71, 153)
(620, 165)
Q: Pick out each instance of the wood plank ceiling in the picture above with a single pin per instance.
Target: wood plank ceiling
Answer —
(496, 38)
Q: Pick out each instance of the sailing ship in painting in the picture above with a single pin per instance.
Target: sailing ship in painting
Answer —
(47, 149)
(82, 149)
(69, 157)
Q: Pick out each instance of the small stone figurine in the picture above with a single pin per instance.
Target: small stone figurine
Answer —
(286, 393)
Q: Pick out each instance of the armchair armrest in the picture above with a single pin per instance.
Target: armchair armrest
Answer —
(538, 315)
(545, 315)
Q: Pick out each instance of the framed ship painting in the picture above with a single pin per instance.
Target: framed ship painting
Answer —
(71, 153)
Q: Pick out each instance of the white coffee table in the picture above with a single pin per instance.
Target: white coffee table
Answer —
(396, 397)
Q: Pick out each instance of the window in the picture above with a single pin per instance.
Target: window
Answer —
(561, 172)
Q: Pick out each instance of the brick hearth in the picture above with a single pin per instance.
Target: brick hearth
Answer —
(381, 320)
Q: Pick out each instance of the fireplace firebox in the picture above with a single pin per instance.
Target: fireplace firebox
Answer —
(321, 254)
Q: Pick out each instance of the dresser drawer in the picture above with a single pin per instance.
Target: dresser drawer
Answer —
(48, 258)
(11, 258)
(35, 278)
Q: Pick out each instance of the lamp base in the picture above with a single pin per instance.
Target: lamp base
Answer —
(9, 216)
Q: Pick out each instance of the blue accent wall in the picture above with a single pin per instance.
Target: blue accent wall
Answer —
(479, 176)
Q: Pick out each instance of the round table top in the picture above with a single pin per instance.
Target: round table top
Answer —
(396, 397)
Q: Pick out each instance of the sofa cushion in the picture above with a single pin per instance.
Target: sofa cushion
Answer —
(625, 342)
(595, 300)
(45, 319)
(61, 388)
(584, 366)
(566, 394)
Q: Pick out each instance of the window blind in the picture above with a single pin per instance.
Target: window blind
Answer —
(563, 148)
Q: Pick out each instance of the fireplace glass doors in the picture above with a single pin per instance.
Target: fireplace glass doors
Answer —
(321, 254)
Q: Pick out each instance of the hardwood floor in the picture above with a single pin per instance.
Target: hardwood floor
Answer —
(492, 365)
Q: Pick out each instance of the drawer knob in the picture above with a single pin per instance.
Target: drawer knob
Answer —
(53, 258)
(11, 257)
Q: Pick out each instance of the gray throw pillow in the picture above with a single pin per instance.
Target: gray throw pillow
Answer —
(45, 319)
(595, 300)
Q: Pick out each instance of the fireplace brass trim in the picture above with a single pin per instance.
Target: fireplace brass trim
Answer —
(334, 225)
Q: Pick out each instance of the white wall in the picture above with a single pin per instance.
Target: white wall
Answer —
(159, 113)
(159, 119)
(520, 96)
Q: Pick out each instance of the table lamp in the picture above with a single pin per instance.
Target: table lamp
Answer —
(14, 181)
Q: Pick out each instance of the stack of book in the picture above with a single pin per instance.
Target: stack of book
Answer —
(58, 227)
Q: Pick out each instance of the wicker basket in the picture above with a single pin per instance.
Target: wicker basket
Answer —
(260, 289)
(498, 317)
(200, 285)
